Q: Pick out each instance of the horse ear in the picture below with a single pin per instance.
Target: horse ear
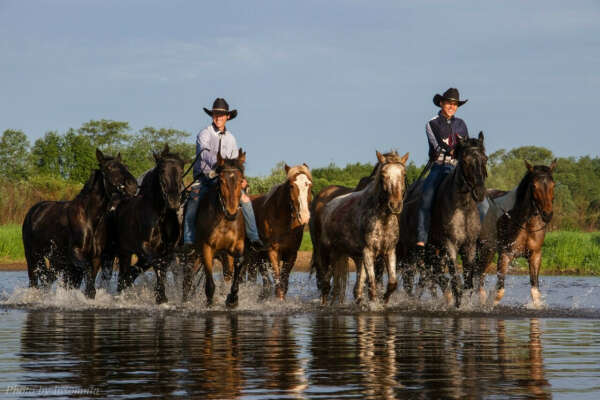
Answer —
(307, 167)
(481, 136)
(99, 156)
(156, 156)
(529, 166)
(380, 157)
(118, 158)
(553, 165)
(220, 160)
(165, 150)
(287, 168)
(404, 159)
(241, 156)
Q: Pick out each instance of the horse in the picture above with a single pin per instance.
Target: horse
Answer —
(281, 215)
(361, 225)
(71, 235)
(220, 228)
(515, 225)
(455, 223)
(147, 225)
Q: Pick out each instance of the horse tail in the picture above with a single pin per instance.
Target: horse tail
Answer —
(26, 235)
(340, 278)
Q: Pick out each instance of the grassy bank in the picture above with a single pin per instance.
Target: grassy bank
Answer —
(564, 252)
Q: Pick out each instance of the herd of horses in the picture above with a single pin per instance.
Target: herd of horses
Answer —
(372, 224)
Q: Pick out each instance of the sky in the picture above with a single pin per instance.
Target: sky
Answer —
(313, 81)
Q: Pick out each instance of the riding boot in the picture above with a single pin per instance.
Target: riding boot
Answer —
(250, 225)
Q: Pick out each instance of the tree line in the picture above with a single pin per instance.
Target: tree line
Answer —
(56, 165)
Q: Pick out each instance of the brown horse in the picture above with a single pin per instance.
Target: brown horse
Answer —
(361, 225)
(281, 216)
(220, 226)
(515, 225)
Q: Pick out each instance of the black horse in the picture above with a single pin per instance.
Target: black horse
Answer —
(147, 225)
(71, 235)
(455, 223)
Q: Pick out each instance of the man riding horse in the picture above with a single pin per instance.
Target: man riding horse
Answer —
(442, 132)
(210, 141)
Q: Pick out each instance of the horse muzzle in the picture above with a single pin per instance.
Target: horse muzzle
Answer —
(547, 216)
(395, 208)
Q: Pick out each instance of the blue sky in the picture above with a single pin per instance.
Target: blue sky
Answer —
(314, 81)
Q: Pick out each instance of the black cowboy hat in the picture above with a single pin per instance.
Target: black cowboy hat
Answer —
(449, 95)
(221, 106)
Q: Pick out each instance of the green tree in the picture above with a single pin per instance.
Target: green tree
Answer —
(107, 135)
(14, 154)
(151, 140)
(47, 155)
(79, 156)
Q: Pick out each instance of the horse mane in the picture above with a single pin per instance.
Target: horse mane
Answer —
(524, 188)
(231, 163)
(88, 187)
(297, 170)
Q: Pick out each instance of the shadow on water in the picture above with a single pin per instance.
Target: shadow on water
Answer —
(292, 356)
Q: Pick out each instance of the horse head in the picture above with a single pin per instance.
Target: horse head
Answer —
(541, 185)
(390, 179)
(117, 179)
(472, 162)
(169, 167)
(230, 173)
(299, 180)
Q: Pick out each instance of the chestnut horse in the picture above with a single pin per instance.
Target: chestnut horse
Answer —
(515, 226)
(72, 235)
(281, 215)
(362, 225)
(147, 224)
(220, 227)
(455, 223)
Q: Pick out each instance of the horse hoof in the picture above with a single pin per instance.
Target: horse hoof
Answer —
(232, 301)
(499, 296)
(161, 299)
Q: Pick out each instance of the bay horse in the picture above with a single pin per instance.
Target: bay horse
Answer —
(281, 215)
(220, 228)
(361, 225)
(147, 225)
(71, 235)
(455, 222)
(515, 226)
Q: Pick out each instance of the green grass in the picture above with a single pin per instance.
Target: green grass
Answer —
(564, 252)
(11, 244)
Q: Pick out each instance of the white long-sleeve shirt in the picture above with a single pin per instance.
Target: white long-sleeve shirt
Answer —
(207, 143)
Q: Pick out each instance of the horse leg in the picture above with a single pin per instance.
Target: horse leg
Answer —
(504, 258)
(286, 270)
(90, 281)
(483, 258)
(107, 261)
(232, 297)
(535, 261)
(368, 261)
(361, 277)
(160, 268)
(392, 279)
(470, 272)
(456, 281)
(320, 263)
(124, 279)
(274, 260)
(435, 263)
(209, 287)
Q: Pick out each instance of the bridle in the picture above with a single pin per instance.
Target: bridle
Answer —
(221, 200)
(465, 182)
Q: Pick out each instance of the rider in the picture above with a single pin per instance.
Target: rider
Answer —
(210, 140)
(442, 133)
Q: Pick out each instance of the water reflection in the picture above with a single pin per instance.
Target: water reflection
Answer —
(294, 356)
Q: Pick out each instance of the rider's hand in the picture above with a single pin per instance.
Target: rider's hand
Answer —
(212, 174)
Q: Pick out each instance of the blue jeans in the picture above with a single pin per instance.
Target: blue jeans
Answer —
(436, 176)
(197, 194)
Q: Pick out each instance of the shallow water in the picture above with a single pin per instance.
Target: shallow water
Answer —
(61, 345)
